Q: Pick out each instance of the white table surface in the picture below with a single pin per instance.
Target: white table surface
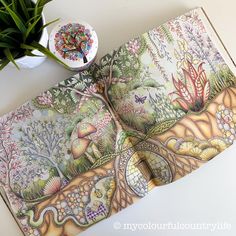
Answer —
(206, 196)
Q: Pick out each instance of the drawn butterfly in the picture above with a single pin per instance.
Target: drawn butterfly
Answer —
(140, 100)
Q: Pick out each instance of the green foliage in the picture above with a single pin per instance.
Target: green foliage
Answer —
(106, 143)
(164, 29)
(163, 108)
(141, 122)
(161, 127)
(125, 64)
(223, 79)
(34, 192)
(118, 91)
(151, 83)
(75, 167)
(128, 64)
(92, 111)
(82, 164)
(21, 27)
(128, 135)
(63, 102)
(103, 160)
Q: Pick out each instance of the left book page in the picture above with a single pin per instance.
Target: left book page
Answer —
(57, 160)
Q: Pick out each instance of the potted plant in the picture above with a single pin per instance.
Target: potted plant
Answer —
(23, 34)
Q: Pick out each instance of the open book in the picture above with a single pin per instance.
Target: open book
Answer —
(149, 113)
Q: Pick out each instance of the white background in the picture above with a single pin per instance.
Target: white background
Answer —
(206, 196)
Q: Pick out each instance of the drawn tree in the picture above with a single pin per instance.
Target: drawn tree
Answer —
(9, 150)
(95, 84)
(45, 139)
(70, 95)
(122, 67)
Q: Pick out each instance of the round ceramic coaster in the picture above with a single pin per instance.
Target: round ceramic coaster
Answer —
(75, 43)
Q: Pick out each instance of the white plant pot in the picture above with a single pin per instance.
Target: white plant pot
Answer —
(31, 62)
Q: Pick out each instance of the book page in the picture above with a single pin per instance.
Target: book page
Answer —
(175, 86)
(151, 112)
(63, 159)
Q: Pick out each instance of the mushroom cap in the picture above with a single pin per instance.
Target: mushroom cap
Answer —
(85, 129)
(79, 146)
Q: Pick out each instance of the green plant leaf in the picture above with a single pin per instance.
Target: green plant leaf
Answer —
(9, 31)
(45, 51)
(32, 18)
(49, 23)
(10, 57)
(4, 63)
(30, 9)
(19, 23)
(25, 46)
(43, 2)
(4, 16)
(28, 3)
(5, 45)
(30, 54)
(10, 36)
(39, 6)
(14, 5)
(31, 28)
(9, 39)
(24, 8)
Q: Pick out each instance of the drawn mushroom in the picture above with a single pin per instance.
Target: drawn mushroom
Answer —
(81, 142)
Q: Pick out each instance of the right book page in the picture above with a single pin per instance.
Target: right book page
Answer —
(173, 90)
